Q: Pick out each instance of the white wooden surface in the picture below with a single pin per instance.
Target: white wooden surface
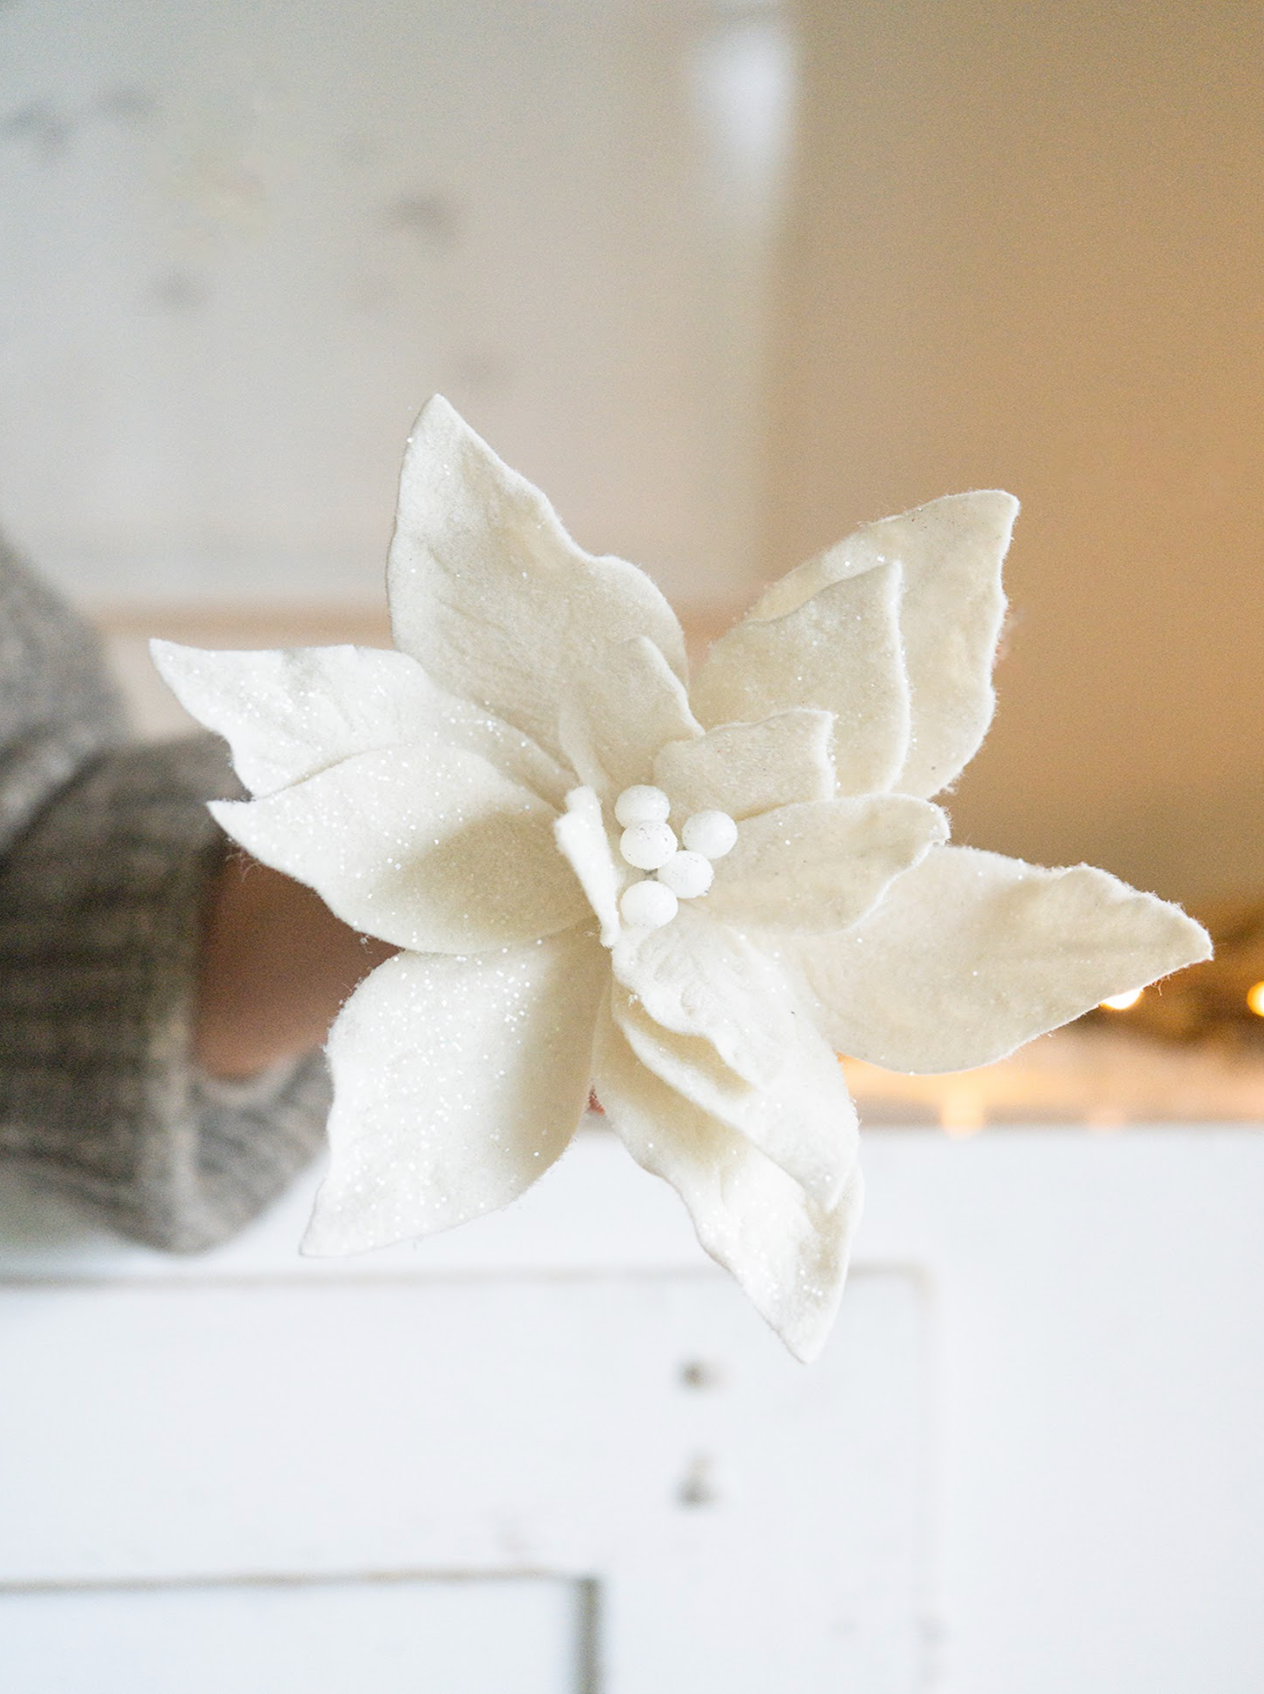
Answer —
(718, 1515)
(390, 1635)
(1029, 1459)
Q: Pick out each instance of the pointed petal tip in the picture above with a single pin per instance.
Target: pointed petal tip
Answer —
(997, 501)
(805, 1346)
(998, 498)
(1002, 507)
(315, 1243)
(1190, 942)
(438, 427)
(438, 409)
(992, 511)
(329, 1236)
(326, 1235)
(173, 661)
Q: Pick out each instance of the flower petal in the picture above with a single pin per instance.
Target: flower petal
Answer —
(456, 1083)
(789, 1255)
(699, 977)
(804, 1120)
(950, 551)
(839, 650)
(618, 714)
(491, 595)
(292, 712)
(581, 837)
(426, 846)
(822, 865)
(970, 954)
(745, 768)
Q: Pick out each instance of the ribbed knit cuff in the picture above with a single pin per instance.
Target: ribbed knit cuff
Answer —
(101, 910)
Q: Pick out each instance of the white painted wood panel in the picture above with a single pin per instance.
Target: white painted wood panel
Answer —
(743, 1520)
(403, 1636)
(1086, 1493)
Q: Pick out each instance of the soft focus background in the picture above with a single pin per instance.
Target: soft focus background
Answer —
(725, 278)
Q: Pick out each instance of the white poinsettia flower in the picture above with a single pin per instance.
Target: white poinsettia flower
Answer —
(457, 798)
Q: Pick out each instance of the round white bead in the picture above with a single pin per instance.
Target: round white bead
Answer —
(713, 834)
(648, 904)
(687, 875)
(642, 804)
(647, 845)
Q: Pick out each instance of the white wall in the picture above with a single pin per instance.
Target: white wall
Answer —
(242, 244)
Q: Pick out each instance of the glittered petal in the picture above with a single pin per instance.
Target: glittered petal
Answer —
(971, 954)
(698, 977)
(290, 713)
(619, 712)
(456, 1083)
(426, 846)
(840, 651)
(788, 1254)
(803, 1119)
(492, 596)
(950, 552)
(581, 837)
(746, 768)
(822, 865)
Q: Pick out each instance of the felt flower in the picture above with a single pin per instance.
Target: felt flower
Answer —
(466, 798)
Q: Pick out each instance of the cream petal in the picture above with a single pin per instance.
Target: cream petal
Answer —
(804, 1120)
(746, 768)
(950, 618)
(698, 977)
(788, 1254)
(839, 650)
(970, 954)
(822, 865)
(581, 837)
(491, 595)
(426, 846)
(619, 712)
(457, 1082)
(950, 552)
(290, 713)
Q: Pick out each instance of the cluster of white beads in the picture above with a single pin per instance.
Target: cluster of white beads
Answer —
(648, 843)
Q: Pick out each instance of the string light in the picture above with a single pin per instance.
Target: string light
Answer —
(1255, 999)
(1121, 1002)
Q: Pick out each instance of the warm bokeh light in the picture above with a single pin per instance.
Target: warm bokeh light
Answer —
(1121, 1002)
(1255, 999)
(962, 1110)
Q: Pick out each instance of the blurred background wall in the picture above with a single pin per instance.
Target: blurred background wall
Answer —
(242, 245)
(725, 278)
(1025, 248)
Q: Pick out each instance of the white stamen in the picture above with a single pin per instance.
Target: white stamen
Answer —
(647, 845)
(642, 804)
(687, 875)
(713, 834)
(648, 904)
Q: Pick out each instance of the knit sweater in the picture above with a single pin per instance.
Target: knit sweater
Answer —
(106, 853)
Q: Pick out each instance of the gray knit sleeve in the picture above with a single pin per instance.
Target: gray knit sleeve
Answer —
(102, 888)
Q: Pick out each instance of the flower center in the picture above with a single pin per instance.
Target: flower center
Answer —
(677, 870)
